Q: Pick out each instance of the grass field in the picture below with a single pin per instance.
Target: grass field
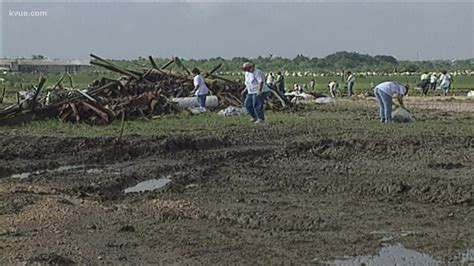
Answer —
(21, 81)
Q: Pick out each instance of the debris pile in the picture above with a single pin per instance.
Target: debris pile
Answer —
(137, 94)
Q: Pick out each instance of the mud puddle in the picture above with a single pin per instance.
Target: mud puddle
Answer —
(398, 255)
(61, 169)
(149, 185)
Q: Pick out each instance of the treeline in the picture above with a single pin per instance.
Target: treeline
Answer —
(336, 62)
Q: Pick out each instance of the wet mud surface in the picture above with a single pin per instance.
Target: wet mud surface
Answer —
(311, 193)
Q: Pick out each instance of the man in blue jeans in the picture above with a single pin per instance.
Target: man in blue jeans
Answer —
(350, 84)
(257, 92)
(384, 93)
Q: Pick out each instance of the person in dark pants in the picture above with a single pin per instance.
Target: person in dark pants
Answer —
(350, 84)
(280, 83)
(425, 83)
(257, 92)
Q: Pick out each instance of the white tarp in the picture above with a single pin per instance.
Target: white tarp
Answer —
(232, 110)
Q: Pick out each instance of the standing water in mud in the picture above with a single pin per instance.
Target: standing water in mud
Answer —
(149, 185)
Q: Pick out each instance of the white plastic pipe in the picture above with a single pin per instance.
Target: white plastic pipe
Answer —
(191, 102)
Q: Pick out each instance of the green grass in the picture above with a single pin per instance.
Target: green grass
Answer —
(345, 118)
(363, 84)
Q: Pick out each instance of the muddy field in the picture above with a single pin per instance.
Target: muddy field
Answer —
(323, 183)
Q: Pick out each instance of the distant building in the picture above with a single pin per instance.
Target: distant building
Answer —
(42, 65)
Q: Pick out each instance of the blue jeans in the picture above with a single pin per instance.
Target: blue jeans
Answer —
(250, 103)
(385, 105)
(445, 90)
(260, 107)
(202, 100)
(350, 89)
(255, 105)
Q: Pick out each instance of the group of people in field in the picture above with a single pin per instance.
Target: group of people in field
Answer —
(431, 80)
(257, 89)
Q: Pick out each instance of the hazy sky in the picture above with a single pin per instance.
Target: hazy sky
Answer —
(430, 30)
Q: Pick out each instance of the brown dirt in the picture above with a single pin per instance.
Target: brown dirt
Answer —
(302, 194)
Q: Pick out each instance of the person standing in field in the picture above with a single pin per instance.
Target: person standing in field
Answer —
(425, 83)
(312, 84)
(350, 84)
(270, 80)
(445, 82)
(433, 81)
(280, 83)
(333, 85)
(384, 92)
(257, 91)
(200, 88)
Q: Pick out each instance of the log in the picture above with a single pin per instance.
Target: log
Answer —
(97, 110)
(180, 63)
(70, 80)
(152, 61)
(106, 62)
(59, 81)
(167, 64)
(215, 69)
(3, 95)
(75, 111)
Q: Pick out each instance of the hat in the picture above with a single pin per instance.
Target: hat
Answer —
(247, 66)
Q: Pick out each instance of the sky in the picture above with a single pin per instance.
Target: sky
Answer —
(421, 30)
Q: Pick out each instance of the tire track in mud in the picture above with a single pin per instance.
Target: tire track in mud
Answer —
(359, 160)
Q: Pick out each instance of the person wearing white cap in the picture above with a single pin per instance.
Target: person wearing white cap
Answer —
(256, 92)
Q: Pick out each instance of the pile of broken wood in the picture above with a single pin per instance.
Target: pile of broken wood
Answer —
(137, 94)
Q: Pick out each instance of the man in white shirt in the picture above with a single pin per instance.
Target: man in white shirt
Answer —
(350, 84)
(445, 82)
(200, 88)
(433, 81)
(384, 92)
(333, 88)
(257, 91)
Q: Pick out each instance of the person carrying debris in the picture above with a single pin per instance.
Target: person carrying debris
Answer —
(257, 91)
(333, 85)
(350, 84)
(200, 88)
(445, 82)
(384, 93)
